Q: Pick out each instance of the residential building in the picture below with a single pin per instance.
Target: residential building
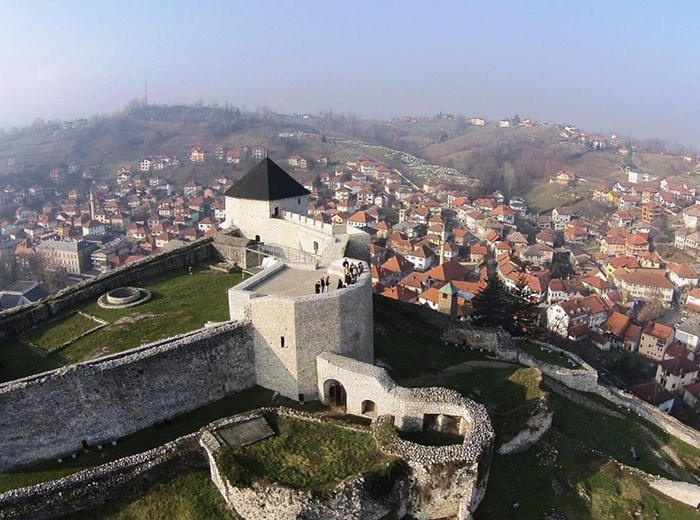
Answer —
(655, 339)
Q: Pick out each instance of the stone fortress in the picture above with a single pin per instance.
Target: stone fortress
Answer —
(281, 335)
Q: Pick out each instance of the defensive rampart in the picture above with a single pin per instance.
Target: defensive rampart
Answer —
(49, 415)
(360, 497)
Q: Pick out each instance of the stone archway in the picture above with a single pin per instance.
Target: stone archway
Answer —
(369, 408)
(334, 394)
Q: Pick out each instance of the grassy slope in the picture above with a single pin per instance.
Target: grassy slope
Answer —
(191, 496)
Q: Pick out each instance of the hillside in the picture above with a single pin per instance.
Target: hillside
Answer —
(485, 153)
(535, 154)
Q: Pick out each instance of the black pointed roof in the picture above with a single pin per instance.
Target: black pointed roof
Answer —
(266, 181)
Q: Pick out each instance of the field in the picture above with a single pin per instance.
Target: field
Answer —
(310, 456)
(166, 314)
(191, 496)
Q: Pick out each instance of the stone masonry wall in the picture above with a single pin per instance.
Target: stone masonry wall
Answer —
(50, 414)
(18, 320)
(453, 477)
(93, 487)
(339, 321)
(349, 500)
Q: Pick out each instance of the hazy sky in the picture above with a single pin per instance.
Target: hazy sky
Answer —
(630, 67)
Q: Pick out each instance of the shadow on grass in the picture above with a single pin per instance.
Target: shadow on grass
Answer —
(150, 438)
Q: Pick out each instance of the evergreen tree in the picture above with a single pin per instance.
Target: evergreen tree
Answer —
(493, 306)
(525, 311)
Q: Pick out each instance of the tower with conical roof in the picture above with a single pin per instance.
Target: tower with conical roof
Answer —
(264, 193)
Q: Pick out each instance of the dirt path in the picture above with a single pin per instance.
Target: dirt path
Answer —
(463, 368)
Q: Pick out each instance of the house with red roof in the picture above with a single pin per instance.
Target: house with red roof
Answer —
(655, 339)
(682, 275)
(675, 374)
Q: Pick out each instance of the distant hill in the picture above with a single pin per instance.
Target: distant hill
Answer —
(509, 159)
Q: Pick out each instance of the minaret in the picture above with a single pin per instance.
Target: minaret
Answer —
(92, 204)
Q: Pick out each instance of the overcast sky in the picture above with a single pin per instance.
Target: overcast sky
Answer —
(628, 67)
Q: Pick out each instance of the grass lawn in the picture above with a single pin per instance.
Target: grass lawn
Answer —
(410, 345)
(56, 332)
(148, 438)
(309, 455)
(551, 357)
(577, 483)
(612, 436)
(191, 496)
(167, 313)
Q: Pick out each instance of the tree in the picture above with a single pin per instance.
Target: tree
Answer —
(508, 179)
(525, 312)
(492, 307)
(652, 309)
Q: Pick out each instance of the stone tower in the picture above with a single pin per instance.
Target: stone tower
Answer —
(447, 301)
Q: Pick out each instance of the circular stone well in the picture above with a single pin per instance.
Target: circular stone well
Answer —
(123, 297)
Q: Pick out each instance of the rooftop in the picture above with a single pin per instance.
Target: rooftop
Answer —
(266, 181)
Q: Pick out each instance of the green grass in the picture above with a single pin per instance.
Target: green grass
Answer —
(309, 455)
(575, 482)
(410, 344)
(612, 436)
(190, 496)
(551, 357)
(148, 438)
(56, 332)
(168, 313)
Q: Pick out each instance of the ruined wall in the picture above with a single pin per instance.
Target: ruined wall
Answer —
(349, 500)
(446, 481)
(50, 414)
(232, 249)
(94, 487)
(15, 321)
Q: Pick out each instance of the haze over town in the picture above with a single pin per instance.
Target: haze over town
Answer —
(626, 68)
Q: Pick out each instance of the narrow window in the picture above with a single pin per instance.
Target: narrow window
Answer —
(282, 341)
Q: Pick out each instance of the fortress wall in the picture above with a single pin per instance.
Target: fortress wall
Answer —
(272, 319)
(358, 497)
(18, 320)
(583, 380)
(50, 414)
(358, 244)
(227, 248)
(287, 233)
(94, 487)
(341, 322)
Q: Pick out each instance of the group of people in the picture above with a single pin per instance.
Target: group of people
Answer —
(323, 285)
(351, 273)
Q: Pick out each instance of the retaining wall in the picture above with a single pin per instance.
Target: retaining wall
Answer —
(49, 415)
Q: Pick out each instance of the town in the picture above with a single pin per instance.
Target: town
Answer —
(597, 280)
